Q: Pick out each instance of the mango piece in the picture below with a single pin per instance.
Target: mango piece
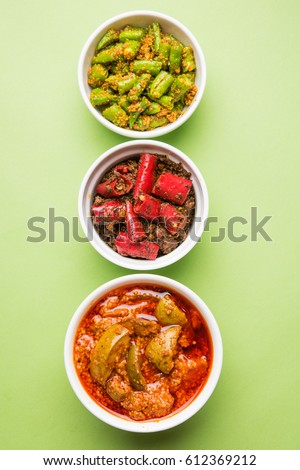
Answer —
(168, 313)
(113, 343)
(134, 368)
(141, 326)
(162, 349)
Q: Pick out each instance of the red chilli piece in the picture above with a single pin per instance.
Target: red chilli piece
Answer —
(115, 188)
(171, 187)
(134, 226)
(147, 207)
(109, 211)
(145, 175)
(144, 249)
(123, 169)
(172, 218)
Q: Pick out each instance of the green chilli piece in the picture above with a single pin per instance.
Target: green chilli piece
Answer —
(134, 362)
(155, 30)
(136, 91)
(140, 125)
(147, 66)
(131, 49)
(120, 67)
(97, 74)
(167, 102)
(99, 97)
(188, 60)
(126, 83)
(113, 80)
(116, 115)
(191, 76)
(170, 38)
(179, 87)
(143, 105)
(164, 53)
(175, 56)
(178, 108)
(132, 34)
(124, 103)
(111, 54)
(112, 342)
(153, 108)
(158, 122)
(160, 85)
(108, 38)
(168, 313)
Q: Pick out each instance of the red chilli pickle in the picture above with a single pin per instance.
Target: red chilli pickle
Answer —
(143, 207)
(143, 352)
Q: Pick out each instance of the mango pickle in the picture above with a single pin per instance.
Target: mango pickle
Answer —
(138, 366)
(144, 327)
(134, 362)
(162, 349)
(107, 351)
(168, 313)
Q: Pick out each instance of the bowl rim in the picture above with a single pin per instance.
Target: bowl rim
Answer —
(165, 260)
(182, 414)
(160, 130)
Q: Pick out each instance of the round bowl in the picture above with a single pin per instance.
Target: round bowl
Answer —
(180, 415)
(122, 152)
(142, 18)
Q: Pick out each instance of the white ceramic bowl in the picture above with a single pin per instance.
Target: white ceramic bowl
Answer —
(184, 413)
(142, 18)
(122, 152)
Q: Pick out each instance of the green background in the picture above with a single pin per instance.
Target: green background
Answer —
(245, 139)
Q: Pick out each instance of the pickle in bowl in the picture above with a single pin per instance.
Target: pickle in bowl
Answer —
(142, 79)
